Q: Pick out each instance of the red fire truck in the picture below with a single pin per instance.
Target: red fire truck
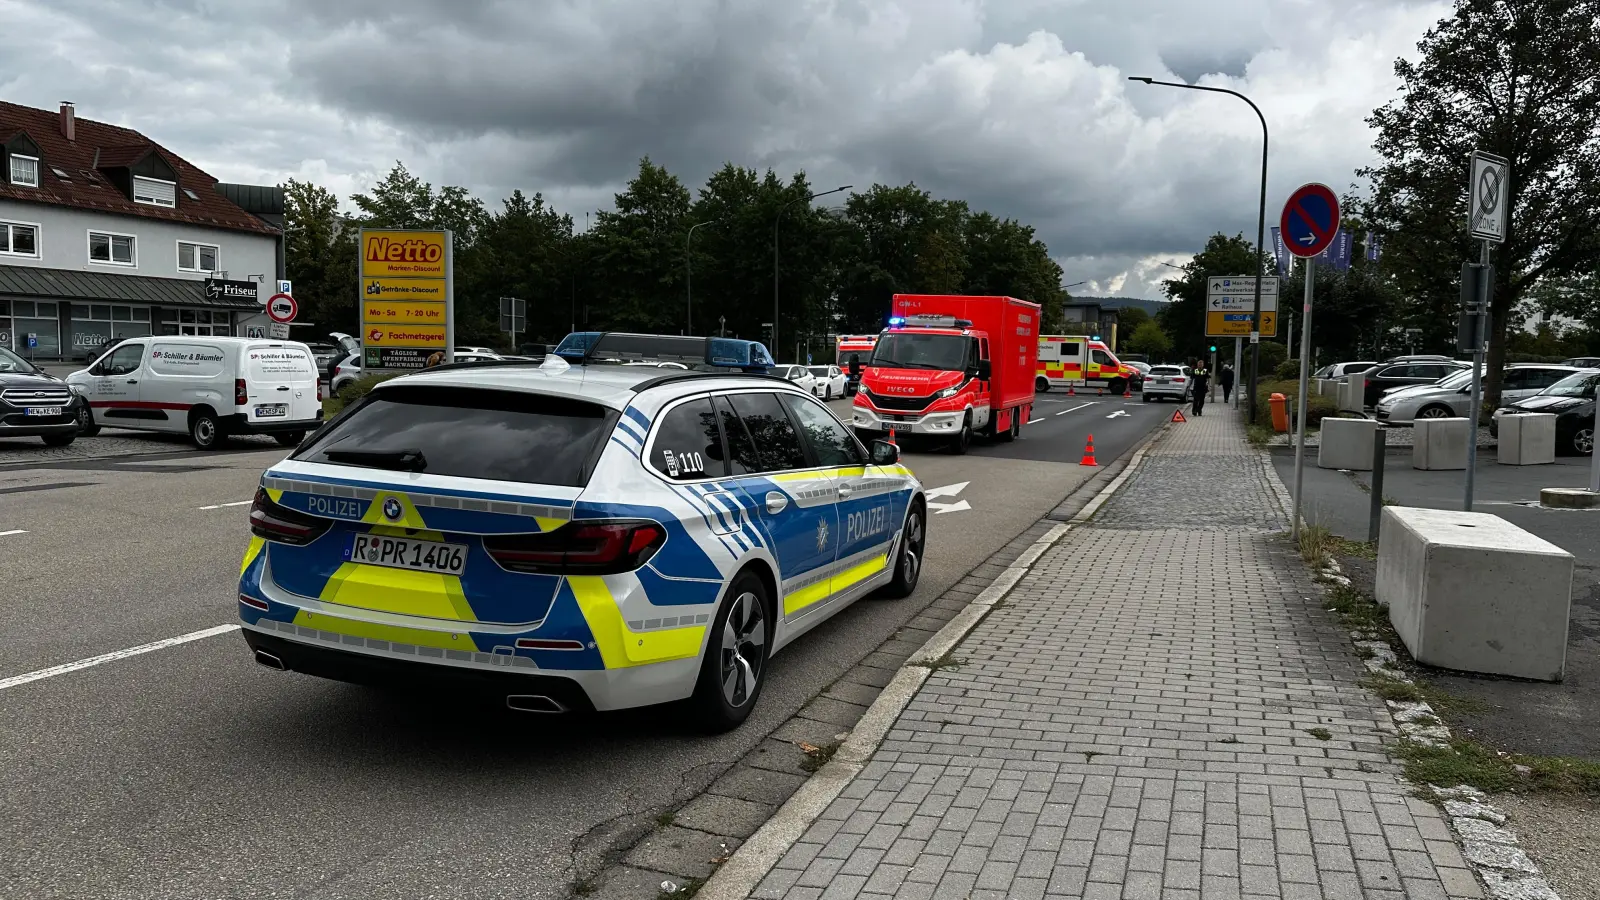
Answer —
(951, 366)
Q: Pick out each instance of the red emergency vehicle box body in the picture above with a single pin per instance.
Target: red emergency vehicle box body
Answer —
(904, 397)
(1012, 326)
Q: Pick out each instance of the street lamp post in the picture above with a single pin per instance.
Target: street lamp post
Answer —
(688, 278)
(1261, 222)
(775, 221)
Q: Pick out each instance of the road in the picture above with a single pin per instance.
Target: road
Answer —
(190, 771)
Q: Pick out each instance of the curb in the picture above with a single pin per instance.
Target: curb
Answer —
(742, 874)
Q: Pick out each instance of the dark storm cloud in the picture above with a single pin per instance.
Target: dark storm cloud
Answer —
(1018, 106)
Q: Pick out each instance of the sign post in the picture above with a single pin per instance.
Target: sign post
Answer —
(1309, 223)
(1488, 211)
(513, 317)
(407, 298)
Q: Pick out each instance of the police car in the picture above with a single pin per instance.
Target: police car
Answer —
(580, 534)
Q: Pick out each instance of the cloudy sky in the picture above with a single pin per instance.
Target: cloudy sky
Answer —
(1020, 107)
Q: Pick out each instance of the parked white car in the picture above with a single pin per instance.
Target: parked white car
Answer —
(800, 375)
(206, 387)
(831, 381)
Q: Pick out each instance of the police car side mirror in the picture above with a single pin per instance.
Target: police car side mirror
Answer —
(884, 453)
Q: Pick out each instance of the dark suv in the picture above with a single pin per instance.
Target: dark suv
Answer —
(1406, 371)
(34, 404)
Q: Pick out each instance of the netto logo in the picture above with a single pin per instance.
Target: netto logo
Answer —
(381, 249)
(392, 509)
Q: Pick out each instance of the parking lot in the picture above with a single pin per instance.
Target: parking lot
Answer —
(147, 755)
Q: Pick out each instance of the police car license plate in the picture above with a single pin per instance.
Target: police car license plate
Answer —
(42, 411)
(404, 553)
(272, 409)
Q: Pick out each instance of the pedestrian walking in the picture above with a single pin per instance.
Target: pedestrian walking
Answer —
(1226, 377)
(1202, 384)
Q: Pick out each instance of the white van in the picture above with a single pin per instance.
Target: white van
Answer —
(206, 387)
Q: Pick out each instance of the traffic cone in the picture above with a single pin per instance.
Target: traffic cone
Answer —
(1071, 392)
(891, 438)
(1088, 454)
(1127, 391)
(1177, 416)
(1100, 391)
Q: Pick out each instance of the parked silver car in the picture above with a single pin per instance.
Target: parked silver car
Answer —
(1452, 395)
(1168, 381)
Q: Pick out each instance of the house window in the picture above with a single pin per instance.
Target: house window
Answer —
(197, 257)
(154, 191)
(25, 170)
(112, 249)
(19, 239)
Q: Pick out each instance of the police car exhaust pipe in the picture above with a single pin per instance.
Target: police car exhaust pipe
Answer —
(270, 661)
(534, 703)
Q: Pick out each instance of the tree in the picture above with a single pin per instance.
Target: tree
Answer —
(638, 249)
(1149, 339)
(320, 257)
(1518, 78)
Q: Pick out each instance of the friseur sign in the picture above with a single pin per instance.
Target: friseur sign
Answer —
(218, 289)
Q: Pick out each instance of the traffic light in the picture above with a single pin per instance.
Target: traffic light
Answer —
(1213, 348)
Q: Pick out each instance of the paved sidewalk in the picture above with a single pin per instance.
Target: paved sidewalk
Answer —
(1160, 709)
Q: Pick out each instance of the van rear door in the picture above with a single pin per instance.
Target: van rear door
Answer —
(280, 383)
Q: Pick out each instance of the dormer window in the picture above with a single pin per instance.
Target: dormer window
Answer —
(24, 170)
(154, 191)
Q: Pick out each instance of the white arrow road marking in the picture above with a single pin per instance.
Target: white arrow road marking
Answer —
(940, 509)
(1078, 407)
(949, 490)
(1120, 412)
(63, 669)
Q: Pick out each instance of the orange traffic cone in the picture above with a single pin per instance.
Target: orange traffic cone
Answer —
(1100, 391)
(1088, 454)
(1071, 392)
(1177, 416)
(1127, 391)
(891, 438)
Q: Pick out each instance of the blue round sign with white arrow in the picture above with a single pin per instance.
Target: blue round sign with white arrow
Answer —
(1310, 219)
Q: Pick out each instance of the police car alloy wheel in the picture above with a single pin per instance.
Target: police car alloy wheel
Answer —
(735, 665)
(908, 563)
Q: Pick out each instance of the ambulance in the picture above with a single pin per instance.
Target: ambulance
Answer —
(1080, 362)
(858, 346)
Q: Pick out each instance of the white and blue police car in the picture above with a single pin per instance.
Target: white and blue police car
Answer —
(578, 535)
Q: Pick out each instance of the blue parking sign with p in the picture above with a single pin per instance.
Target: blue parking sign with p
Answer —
(33, 341)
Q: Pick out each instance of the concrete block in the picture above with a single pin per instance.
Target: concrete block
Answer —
(1527, 440)
(1353, 393)
(1439, 444)
(1569, 498)
(1346, 444)
(1472, 592)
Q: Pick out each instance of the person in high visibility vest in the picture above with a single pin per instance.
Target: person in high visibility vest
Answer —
(1202, 384)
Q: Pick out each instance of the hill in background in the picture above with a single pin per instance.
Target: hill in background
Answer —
(1150, 306)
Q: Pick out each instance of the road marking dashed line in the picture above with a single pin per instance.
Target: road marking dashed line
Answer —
(226, 505)
(64, 668)
(13, 531)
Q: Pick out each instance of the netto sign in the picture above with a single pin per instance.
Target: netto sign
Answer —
(407, 297)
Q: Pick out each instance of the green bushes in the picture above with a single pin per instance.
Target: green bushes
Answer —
(362, 386)
(1319, 408)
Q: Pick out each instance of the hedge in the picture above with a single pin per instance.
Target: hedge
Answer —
(1320, 408)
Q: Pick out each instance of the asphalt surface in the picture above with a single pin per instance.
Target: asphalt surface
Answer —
(1528, 717)
(190, 771)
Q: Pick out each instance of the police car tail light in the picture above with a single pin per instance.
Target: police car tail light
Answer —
(579, 548)
(286, 526)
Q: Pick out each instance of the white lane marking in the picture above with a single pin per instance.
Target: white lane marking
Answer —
(1034, 421)
(226, 505)
(13, 531)
(1076, 408)
(949, 490)
(1120, 412)
(115, 655)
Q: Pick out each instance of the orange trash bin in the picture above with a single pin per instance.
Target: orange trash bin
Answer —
(1280, 412)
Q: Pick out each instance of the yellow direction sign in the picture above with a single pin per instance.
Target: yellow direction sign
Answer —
(1237, 324)
(403, 288)
(403, 254)
(401, 312)
(426, 337)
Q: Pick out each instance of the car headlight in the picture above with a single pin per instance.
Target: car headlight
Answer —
(78, 389)
(947, 393)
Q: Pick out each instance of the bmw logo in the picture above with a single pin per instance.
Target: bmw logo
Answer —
(392, 509)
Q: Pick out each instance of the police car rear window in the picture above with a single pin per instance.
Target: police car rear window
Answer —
(494, 435)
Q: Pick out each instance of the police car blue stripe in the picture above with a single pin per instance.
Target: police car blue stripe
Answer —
(641, 418)
(625, 428)
(624, 445)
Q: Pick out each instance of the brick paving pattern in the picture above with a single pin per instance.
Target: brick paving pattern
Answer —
(1155, 713)
(114, 442)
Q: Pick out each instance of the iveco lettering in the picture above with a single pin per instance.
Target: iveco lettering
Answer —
(625, 524)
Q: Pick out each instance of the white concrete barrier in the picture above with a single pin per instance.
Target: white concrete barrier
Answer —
(1471, 591)
(1439, 444)
(1346, 444)
(1527, 440)
(1353, 393)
